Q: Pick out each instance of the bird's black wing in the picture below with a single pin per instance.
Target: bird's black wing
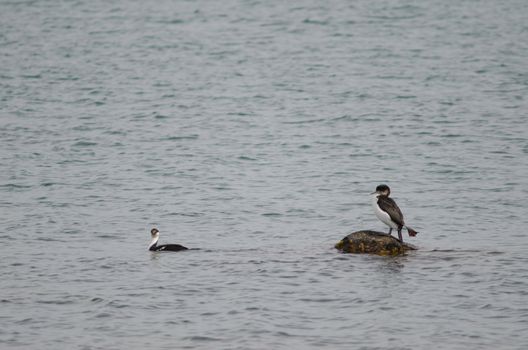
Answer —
(171, 247)
(389, 205)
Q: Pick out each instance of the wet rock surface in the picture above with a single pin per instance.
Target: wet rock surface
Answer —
(372, 242)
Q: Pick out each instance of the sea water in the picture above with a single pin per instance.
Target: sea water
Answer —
(255, 131)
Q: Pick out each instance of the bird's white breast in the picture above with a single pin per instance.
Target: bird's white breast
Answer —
(154, 240)
(382, 215)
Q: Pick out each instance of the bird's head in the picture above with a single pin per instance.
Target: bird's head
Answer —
(382, 190)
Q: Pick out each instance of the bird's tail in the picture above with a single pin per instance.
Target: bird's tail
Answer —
(411, 231)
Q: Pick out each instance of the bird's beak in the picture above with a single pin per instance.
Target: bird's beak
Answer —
(374, 192)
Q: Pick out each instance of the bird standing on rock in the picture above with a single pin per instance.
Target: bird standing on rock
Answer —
(388, 212)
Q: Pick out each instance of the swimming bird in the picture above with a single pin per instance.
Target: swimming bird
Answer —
(153, 246)
(388, 212)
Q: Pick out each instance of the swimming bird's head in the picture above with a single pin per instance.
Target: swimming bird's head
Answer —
(382, 190)
(154, 232)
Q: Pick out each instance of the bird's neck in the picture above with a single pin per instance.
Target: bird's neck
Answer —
(153, 242)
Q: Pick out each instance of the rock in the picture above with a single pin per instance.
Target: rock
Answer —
(373, 242)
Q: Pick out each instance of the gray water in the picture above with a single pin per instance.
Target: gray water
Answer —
(256, 130)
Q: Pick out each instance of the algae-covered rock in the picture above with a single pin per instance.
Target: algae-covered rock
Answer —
(372, 242)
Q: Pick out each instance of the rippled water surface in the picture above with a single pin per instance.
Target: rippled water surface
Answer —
(255, 130)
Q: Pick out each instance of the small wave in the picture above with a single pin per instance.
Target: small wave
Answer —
(181, 138)
(310, 121)
(106, 236)
(14, 186)
(284, 334)
(55, 302)
(315, 21)
(191, 215)
(49, 239)
(201, 338)
(319, 300)
(31, 76)
(456, 251)
(209, 313)
(25, 321)
(84, 144)
(272, 214)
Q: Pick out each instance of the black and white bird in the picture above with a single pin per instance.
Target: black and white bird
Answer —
(153, 246)
(388, 212)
